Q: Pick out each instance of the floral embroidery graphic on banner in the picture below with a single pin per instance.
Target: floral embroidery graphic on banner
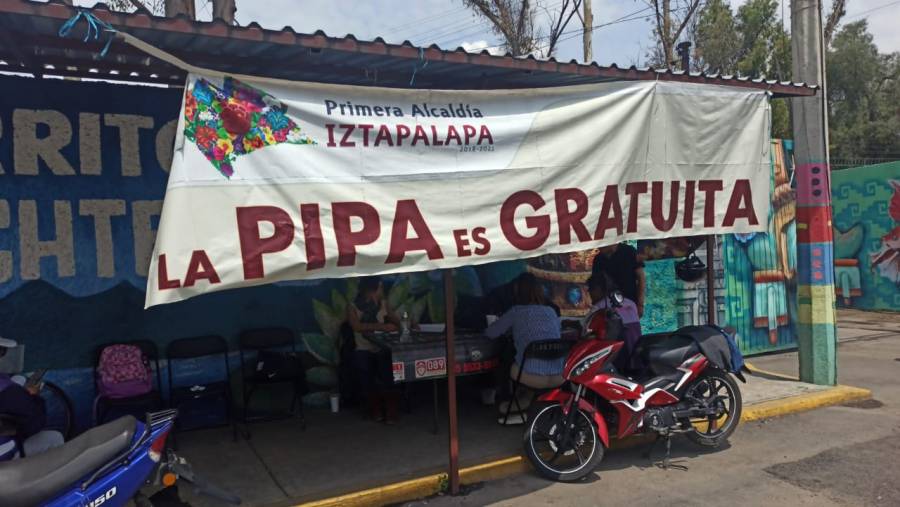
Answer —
(235, 120)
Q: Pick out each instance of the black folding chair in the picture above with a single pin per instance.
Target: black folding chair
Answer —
(271, 342)
(181, 396)
(547, 350)
(136, 406)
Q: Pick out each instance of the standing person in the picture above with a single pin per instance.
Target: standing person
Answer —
(369, 313)
(621, 264)
(594, 325)
(530, 319)
(27, 408)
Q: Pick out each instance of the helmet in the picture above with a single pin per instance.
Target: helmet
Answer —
(690, 269)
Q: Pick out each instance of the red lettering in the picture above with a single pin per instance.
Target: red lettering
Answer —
(384, 134)
(469, 132)
(434, 137)
(656, 205)
(330, 127)
(402, 133)
(540, 223)
(162, 275)
(485, 134)
(365, 130)
(634, 191)
(610, 213)
(484, 246)
(689, 205)
(253, 246)
(200, 268)
(420, 135)
(347, 239)
(462, 243)
(407, 214)
(709, 187)
(345, 142)
(312, 236)
(571, 220)
(740, 205)
(453, 134)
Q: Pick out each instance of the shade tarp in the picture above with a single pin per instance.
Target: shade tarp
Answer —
(275, 181)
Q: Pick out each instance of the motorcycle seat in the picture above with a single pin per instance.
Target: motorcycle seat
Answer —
(34, 480)
(666, 354)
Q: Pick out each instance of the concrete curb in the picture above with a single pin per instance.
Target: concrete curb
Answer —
(794, 404)
(434, 484)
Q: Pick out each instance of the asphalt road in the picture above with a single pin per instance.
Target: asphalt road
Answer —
(835, 456)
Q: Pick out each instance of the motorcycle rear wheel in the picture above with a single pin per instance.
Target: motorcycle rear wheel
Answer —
(549, 448)
(713, 431)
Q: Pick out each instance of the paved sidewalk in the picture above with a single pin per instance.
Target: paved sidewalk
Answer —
(832, 457)
(859, 325)
(763, 386)
(341, 454)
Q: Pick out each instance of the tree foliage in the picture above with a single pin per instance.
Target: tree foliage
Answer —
(749, 42)
(671, 19)
(517, 22)
(863, 96)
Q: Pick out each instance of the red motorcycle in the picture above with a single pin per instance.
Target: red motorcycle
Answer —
(686, 387)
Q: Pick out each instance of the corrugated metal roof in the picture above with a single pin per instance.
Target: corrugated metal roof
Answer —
(28, 30)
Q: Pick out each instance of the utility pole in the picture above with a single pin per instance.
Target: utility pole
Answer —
(224, 10)
(176, 7)
(817, 332)
(587, 37)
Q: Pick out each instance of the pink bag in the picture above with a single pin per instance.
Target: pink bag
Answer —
(123, 372)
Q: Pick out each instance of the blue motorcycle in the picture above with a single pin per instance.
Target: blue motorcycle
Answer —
(107, 465)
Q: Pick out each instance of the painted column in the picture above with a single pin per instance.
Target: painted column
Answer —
(816, 331)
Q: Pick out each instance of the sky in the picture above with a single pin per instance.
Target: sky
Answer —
(450, 24)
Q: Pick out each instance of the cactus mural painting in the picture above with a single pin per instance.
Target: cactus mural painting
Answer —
(760, 269)
(866, 214)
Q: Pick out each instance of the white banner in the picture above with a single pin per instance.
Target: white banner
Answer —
(275, 181)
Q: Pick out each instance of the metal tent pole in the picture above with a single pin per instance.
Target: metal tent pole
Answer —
(710, 280)
(449, 299)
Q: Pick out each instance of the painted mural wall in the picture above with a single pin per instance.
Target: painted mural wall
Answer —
(866, 214)
(760, 269)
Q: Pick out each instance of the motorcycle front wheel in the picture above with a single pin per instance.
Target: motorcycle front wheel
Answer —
(557, 452)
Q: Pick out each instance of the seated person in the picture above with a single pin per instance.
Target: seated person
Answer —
(24, 406)
(594, 325)
(530, 319)
(369, 313)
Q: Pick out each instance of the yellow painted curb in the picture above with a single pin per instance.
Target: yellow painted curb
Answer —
(801, 403)
(433, 484)
(392, 493)
(494, 470)
(754, 369)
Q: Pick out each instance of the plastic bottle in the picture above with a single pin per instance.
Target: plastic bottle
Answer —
(404, 326)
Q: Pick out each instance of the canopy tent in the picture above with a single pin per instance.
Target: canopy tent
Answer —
(318, 58)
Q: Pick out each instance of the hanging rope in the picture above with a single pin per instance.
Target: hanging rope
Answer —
(95, 25)
(420, 65)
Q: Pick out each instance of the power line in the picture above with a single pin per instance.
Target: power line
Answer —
(863, 13)
(427, 19)
(633, 16)
(447, 37)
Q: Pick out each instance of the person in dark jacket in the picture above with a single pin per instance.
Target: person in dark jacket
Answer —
(620, 262)
(369, 313)
(24, 408)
